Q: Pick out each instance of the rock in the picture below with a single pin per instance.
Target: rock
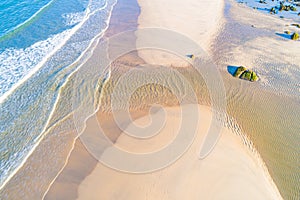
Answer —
(246, 75)
(293, 8)
(239, 70)
(272, 11)
(192, 56)
(243, 73)
(297, 25)
(254, 77)
(295, 36)
(262, 1)
(282, 7)
(287, 8)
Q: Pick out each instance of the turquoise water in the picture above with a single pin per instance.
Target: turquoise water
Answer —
(39, 43)
(30, 31)
(14, 14)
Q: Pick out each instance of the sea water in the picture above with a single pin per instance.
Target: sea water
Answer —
(39, 43)
(268, 110)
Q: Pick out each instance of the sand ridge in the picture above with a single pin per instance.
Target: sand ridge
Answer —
(229, 172)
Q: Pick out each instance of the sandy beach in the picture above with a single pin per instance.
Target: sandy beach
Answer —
(231, 171)
(139, 99)
(182, 17)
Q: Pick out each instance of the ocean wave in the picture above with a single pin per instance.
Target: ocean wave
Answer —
(9, 26)
(30, 100)
(17, 63)
(73, 18)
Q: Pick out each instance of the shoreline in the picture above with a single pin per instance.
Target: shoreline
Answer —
(267, 174)
(23, 167)
(54, 187)
(271, 125)
(265, 148)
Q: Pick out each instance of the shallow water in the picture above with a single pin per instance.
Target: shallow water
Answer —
(267, 117)
(268, 110)
(37, 59)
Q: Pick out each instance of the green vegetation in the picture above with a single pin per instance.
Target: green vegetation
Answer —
(249, 75)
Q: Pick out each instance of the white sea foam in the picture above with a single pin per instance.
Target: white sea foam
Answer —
(17, 63)
(10, 84)
(73, 18)
(68, 36)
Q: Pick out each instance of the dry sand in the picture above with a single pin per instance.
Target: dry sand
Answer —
(199, 21)
(229, 172)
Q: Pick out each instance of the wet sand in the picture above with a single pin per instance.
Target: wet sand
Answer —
(89, 179)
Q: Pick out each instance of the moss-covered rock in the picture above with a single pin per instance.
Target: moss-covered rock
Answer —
(249, 75)
(254, 77)
(263, 1)
(243, 73)
(239, 71)
(295, 36)
(272, 11)
(246, 75)
(297, 25)
(282, 7)
(293, 8)
(287, 8)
